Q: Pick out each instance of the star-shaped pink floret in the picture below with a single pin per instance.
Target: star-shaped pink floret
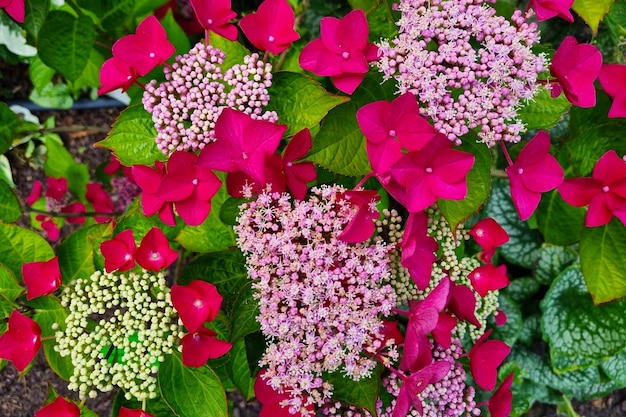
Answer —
(547, 9)
(154, 252)
(604, 192)
(14, 8)
(575, 67)
(214, 16)
(342, 52)
(119, 252)
(149, 179)
(41, 278)
(271, 27)
(242, 144)
(60, 407)
(189, 186)
(196, 303)
(202, 345)
(485, 357)
(534, 172)
(436, 171)
(20, 343)
(613, 80)
(298, 174)
(418, 249)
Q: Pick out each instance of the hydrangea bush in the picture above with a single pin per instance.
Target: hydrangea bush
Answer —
(380, 209)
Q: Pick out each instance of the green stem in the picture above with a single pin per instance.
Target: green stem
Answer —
(567, 408)
(73, 214)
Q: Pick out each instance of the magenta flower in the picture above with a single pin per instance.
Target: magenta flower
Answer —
(487, 278)
(202, 345)
(189, 186)
(196, 303)
(60, 407)
(501, 402)
(547, 9)
(361, 225)
(100, 201)
(489, 235)
(57, 187)
(435, 171)
(575, 67)
(154, 252)
(20, 343)
(119, 252)
(416, 383)
(243, 144)
(41, 278)
(418, 249)
(342, 52)
(237, 182)
(49, 226)
(149, 179)
(534, 172)
(35, 193)
(298, 173)
(271, 399)
(271, 27)
(116, 73)
(127, 412)
(75, 207)
(14, 8)
(214, 16)
(442, 334)
(613, 80)
(604, 192)
(485, 357)
(462, 303)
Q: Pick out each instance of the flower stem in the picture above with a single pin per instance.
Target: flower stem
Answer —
(506, 153)
(363, 181)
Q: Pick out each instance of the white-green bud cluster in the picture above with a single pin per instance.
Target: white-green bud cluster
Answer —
(119, 329)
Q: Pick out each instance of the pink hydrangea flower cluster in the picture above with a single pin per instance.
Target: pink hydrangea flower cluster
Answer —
(321, 299)
(450, 397)
(186, 106)
(467, 67)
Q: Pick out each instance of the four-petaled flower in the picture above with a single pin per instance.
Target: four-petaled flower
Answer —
(202, 345)
(613, 80)
(20, 343)
(214, 16)
(485, 357)
(60, 407)
(534, 172)
(154, 252)
(41, 278)
(575, 67)
(547, 9)
(119, 252)
(271, 27)
(604, 192)
(342, 52)
(196, 303)
(152, 202)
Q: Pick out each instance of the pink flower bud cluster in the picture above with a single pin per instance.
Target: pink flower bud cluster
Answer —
(450, 397)
(123, 192)
(467, 67)
(186, 106)
(321, 299)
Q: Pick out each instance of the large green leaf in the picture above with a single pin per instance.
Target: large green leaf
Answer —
(9, 287)
(523, 245)
(191, 392)
(65, 42)
(76, 253)
(552, 261)
(10, 208)
(559, 222)
(19, 245)
(61, 164)
(381, 17)
(615, 368)
(235, 51)
(132, 138)
(543, 112)
(300, 101)
(362, 393)
(592, 11)
(603, 261)
(478, 182)
(245, 312)
(175, 34)
(8, 123)
(510, 331)
(239, 371)
(339, 146)
(36, 12)
(580, 334)
(53, 96)
(48, 311)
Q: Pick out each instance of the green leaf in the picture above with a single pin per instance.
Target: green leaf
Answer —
(362, 393)
(49, 311)
(559, 222)
(76, 253)
(245, 312)
(552, 261)
(592, 11)
(229, 211)
(5, 170)
(339, 146)
(65, 42)
(8, 122)
(300, 101)
(10, 208)
(523, 245)
(603, 261)
(615, 368)
(175, 34)
(235, 51)
(510, 331)
(60, 163)
(132, 138)
(381, 17)
(36, 12)
(40, 74)
(478, 181)
(157, 407)
(19, 245)
(543, 111)
(226, 270)
(191, 392)
(9, 287)
(212, 235)
(116, 13)
(580, 334)
(521, 289)
(90, 77)
(52, 96)
(239, 371)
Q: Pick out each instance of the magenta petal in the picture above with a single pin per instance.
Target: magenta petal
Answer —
(485, 357)
(115, 74)
(118, 252)
(35, 193)
(20, 343)
(347, 82)
(190, 307)
(524, 200)
(193, 211)
(202, 345)
(579, 192)
(599, 213)
(352, 31)
(154, 252)
(501, 402)
(60, 407)
(463, 304)
(610, 168)
(271, 27)
(489, 234)
(486, 278)
(127, 412)
(41, 278)
(16, 9)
